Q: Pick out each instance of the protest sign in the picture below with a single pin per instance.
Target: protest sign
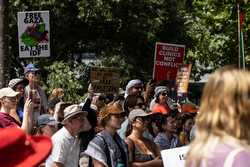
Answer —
(105, 80)
(174, 157)
(168, 57)
(33, 34)
(182, 78)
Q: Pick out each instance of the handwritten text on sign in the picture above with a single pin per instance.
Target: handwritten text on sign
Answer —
(105, 80)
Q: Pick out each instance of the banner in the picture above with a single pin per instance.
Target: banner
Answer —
(182, 79)
(105, 80)
(168, 57)
(33, 34)
(174, 157)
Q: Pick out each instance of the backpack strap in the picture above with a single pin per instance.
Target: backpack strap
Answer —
(230, 157)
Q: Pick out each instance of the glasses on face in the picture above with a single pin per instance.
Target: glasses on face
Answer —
(119, 115)
(79, 118)
(138, 87)
(164, 94)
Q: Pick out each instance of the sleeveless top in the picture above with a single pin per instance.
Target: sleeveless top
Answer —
(138, 156)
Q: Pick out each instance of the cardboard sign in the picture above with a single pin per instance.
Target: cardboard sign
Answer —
(182, 78)
(33, 34)
(174, 157)
(168, 57)
(105, 80)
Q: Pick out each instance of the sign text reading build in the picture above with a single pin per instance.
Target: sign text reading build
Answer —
(168, 57)
(33, 34)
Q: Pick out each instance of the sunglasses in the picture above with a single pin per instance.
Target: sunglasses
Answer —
(138, 87)
(164, 94)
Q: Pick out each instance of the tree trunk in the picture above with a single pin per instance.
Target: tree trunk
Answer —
(4, 72)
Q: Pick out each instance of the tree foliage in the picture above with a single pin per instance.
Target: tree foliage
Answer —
(123, 33)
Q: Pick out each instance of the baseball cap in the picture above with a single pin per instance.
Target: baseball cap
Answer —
(137, 113)
(8, 92)
(30, 68)
(72, 110)
(21, 150)
(45, 119)
(17, 81)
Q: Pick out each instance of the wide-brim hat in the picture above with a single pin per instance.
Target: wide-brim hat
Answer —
(14, 82)
(73, 110)
(8, 92)
(21, 150)
(112, 108)
(137, 113)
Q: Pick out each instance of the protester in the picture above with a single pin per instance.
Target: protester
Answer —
(19, 149)
(134, 87)
(35, 92)
(18, 85)
(142, 151)
(8, 100)
(130, 103)
(66, 145)
(107, 148)
(160, 99)
(223, 132)
(187, 122)
(46, 125)
(167, 138)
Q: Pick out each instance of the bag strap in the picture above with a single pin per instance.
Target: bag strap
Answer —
(230, 157)
(106, 151)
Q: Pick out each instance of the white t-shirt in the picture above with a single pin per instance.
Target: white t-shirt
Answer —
(66, 149)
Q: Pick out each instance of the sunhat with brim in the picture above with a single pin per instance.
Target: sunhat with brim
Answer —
(21, 150)
(73, 110)
(14, 82)
(30, 68)
(8, 92)
(137, 113)
(112, 108)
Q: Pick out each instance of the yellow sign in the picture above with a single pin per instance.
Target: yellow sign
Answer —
(182, 78)
(105, 80)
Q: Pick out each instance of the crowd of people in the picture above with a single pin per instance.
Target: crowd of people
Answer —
(129, 128)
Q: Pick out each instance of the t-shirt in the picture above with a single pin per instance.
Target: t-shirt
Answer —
(219, 154)
(7, 121)
(66, 149)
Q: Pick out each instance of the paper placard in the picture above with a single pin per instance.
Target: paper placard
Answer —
(105, 80)
(174, 157)
(33, 34)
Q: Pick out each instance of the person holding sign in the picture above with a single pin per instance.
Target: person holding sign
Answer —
(223, 132)
(142, 151)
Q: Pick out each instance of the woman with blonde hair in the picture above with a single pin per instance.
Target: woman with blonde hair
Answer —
(223, 132)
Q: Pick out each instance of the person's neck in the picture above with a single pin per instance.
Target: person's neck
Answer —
(5, 110)
(110, 130)
(136, 134)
